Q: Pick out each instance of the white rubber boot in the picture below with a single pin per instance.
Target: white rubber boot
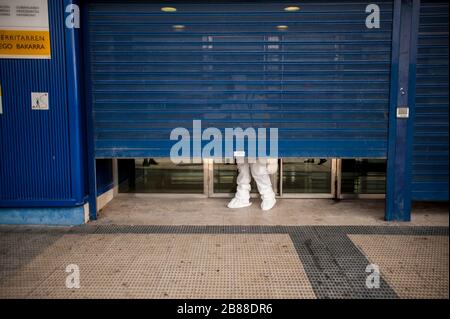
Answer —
(238, 203)
(267, 204)
(261, 176)
(242, 197)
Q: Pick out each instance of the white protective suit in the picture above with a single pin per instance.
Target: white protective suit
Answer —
(260, 172)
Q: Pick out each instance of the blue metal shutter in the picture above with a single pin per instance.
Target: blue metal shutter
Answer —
(430, 156)
(319, 75)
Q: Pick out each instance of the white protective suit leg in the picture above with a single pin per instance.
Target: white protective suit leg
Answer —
(242, 197)
(262, 179)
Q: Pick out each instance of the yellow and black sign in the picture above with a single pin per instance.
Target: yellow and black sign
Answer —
(15, 43)
(24, 31)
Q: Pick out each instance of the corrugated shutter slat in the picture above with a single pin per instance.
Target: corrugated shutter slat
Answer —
(323, 81)
(430, 156)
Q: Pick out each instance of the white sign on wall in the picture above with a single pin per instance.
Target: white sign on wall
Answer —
(39, 100)
(24, 29)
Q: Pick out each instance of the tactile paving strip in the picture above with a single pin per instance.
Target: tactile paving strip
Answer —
(166, 266)
(153, 261)
(415, 266)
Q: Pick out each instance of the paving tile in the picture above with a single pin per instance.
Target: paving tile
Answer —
(415, 266)
(223, 261)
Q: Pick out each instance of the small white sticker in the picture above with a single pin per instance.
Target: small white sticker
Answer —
(239, 154)
(403, 112)
(39, 100)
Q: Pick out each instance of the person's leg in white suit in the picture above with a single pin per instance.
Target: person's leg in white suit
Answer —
(242, 196)
(259, 172)
(262, 179)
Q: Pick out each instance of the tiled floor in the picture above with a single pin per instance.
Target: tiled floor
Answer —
(124, 261)
(414, 266)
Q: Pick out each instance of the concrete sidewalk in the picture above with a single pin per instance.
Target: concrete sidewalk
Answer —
(145, 209)
(165, 260)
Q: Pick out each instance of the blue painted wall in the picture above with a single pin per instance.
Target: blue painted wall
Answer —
(61, 216)
(39, 165)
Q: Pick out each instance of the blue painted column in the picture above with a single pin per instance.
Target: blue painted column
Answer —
(75, 105)
(401, 112)
(91, 164)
